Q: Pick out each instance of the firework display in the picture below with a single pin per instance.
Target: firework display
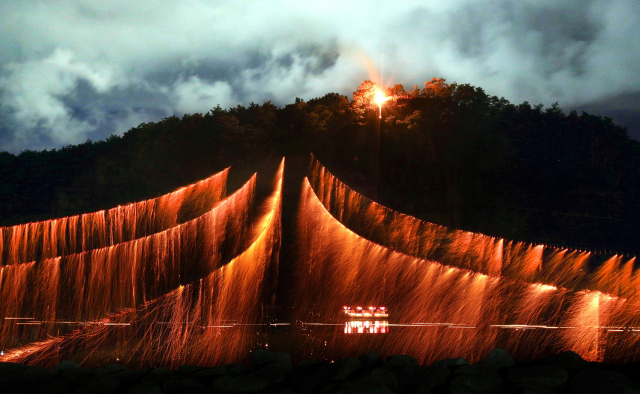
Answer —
(190, 278)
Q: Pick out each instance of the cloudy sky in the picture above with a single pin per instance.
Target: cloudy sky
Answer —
(77, 70)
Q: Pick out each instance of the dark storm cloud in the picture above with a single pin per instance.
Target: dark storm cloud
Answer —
(251, 69)
(562, 32)
(566, 32)
(72, 70)
(319, 57)
(104, 111)
(622, 108)
(208, 67)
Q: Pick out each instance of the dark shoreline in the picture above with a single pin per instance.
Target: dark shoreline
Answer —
(273, 372)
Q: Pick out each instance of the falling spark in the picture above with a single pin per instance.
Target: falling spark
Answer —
(58, 237)
(351, 247)
(228, 293)
(89, 285)
(169, 298)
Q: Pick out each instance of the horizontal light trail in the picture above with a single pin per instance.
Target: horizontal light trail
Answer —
(217, 326)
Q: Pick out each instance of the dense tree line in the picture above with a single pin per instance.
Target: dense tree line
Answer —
(447, 153)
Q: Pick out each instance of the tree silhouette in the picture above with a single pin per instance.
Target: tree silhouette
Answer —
(363, 97)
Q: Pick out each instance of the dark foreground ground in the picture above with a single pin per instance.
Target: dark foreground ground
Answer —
(273, 372)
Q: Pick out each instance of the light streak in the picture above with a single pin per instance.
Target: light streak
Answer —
(522, 326)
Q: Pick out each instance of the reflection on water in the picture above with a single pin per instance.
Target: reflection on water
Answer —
(366, 327)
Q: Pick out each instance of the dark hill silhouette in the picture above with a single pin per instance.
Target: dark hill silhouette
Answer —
(448, 153)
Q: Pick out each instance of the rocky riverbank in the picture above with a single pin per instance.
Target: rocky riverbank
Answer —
(273, 373)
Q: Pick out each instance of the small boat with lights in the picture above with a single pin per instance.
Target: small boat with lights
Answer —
(366, 313)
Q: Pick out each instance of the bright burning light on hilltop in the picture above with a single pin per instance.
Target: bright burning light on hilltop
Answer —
(380, 98)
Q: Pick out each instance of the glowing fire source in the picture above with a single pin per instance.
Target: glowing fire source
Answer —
(73, 234)
(379, 98)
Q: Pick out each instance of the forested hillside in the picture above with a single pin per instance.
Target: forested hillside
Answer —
(447, 153)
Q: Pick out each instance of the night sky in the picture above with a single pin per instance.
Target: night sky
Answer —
(77, 70)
